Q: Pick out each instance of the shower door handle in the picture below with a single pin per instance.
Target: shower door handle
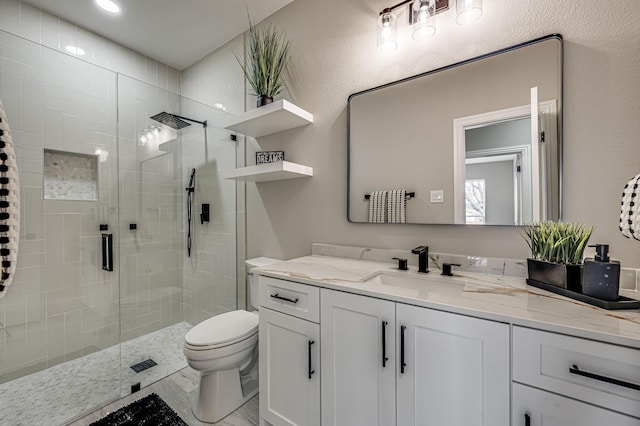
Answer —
(107, 252)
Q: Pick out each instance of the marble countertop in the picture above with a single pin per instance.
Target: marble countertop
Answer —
(495, 297)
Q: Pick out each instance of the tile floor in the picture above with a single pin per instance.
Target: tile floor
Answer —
(67, 391)
(178, 390)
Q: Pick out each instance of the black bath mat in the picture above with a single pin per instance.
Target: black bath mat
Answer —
(148, 411)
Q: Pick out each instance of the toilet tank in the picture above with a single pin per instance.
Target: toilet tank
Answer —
(252, 280)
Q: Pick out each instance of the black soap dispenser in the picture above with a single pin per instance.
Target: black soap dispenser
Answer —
(601, 276)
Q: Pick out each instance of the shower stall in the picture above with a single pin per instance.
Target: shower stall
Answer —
(105, 288)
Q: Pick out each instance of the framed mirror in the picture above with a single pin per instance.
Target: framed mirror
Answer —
(477, 142)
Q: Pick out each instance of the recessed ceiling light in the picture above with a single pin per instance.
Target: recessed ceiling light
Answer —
(109, 6)
(75, 50)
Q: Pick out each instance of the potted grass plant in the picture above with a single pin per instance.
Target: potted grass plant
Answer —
(557, 249)
(266, 62)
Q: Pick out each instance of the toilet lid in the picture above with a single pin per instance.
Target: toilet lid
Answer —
(223, 329)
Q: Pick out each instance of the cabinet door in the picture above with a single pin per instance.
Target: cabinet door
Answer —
(456, 372)
(358, 385)
(533, 407)
(289, 370)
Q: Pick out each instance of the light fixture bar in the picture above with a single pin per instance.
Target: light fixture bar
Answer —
(392, 8)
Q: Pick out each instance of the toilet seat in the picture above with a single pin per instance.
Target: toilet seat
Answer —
(222, 330)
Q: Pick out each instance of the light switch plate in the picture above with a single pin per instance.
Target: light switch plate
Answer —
(437, 196)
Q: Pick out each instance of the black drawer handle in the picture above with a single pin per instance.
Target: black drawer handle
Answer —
(286, 299)
(527, 419)
(384, 343)
(310, 370)
(576, 370)
(402, 363)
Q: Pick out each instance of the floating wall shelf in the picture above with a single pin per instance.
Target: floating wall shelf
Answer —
(272, 118)
(271, 171)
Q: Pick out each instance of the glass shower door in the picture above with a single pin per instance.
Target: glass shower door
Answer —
(59, 321)
(164, 291)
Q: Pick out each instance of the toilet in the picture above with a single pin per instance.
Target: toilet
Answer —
(224, 349)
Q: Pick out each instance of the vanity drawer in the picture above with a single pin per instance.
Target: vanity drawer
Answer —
(558, 363)
(299, 300)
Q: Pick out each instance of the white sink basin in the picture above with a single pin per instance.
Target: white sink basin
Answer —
(432, 281)
(433, 285)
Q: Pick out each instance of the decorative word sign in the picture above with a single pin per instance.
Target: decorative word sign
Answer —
(263, 157)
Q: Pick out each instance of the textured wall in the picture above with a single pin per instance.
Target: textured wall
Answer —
(334, 53)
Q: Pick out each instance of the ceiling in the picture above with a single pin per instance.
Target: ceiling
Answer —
(176, 32)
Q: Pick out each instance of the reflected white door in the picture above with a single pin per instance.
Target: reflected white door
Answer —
(535, 156)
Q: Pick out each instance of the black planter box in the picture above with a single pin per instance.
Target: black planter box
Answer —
(556, 274)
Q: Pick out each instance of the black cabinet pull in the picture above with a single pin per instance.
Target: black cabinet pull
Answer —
(286, 299)
(576, 370)
(527, 419)
(384, 344)
(107, 252)
(402, 363)
(310, 370)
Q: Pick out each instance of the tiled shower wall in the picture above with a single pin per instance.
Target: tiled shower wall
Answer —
(62, 304)
(210, 273)
(31, 23)
(151, 198)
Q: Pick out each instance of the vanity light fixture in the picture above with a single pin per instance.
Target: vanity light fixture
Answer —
(468, 11)
(387, 31)
(109, 6)
(422, 16)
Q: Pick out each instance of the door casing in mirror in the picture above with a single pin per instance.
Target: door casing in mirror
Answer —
(401, 134)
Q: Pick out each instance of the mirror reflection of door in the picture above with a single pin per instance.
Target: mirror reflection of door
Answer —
(498, 154)
(494, 139)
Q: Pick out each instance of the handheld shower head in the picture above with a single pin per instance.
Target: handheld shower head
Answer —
(191, 188)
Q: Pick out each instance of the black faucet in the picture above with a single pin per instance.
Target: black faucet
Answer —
(423, 258)
(402, 263)
(446, 268)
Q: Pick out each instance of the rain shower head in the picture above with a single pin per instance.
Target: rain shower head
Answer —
(171, 120)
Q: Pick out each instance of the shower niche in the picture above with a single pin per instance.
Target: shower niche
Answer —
(70, 176)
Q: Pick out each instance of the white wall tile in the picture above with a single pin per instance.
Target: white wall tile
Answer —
(32, 109)
(10, 9)
(11, 89)
(11, 20)
(32, 214)
(68, 35)
(30, 18)
(39, 26)
(50, 30)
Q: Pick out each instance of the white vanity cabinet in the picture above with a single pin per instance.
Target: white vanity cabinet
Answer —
(386, 363)
(358, 360)
(534, 407)
(452, 369)
(566, 380)
(289, 345)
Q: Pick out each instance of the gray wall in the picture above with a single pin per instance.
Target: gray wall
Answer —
(334, 55)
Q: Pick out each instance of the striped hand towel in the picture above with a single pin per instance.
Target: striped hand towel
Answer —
(630, 209)
(378, 207)
(397, 206)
